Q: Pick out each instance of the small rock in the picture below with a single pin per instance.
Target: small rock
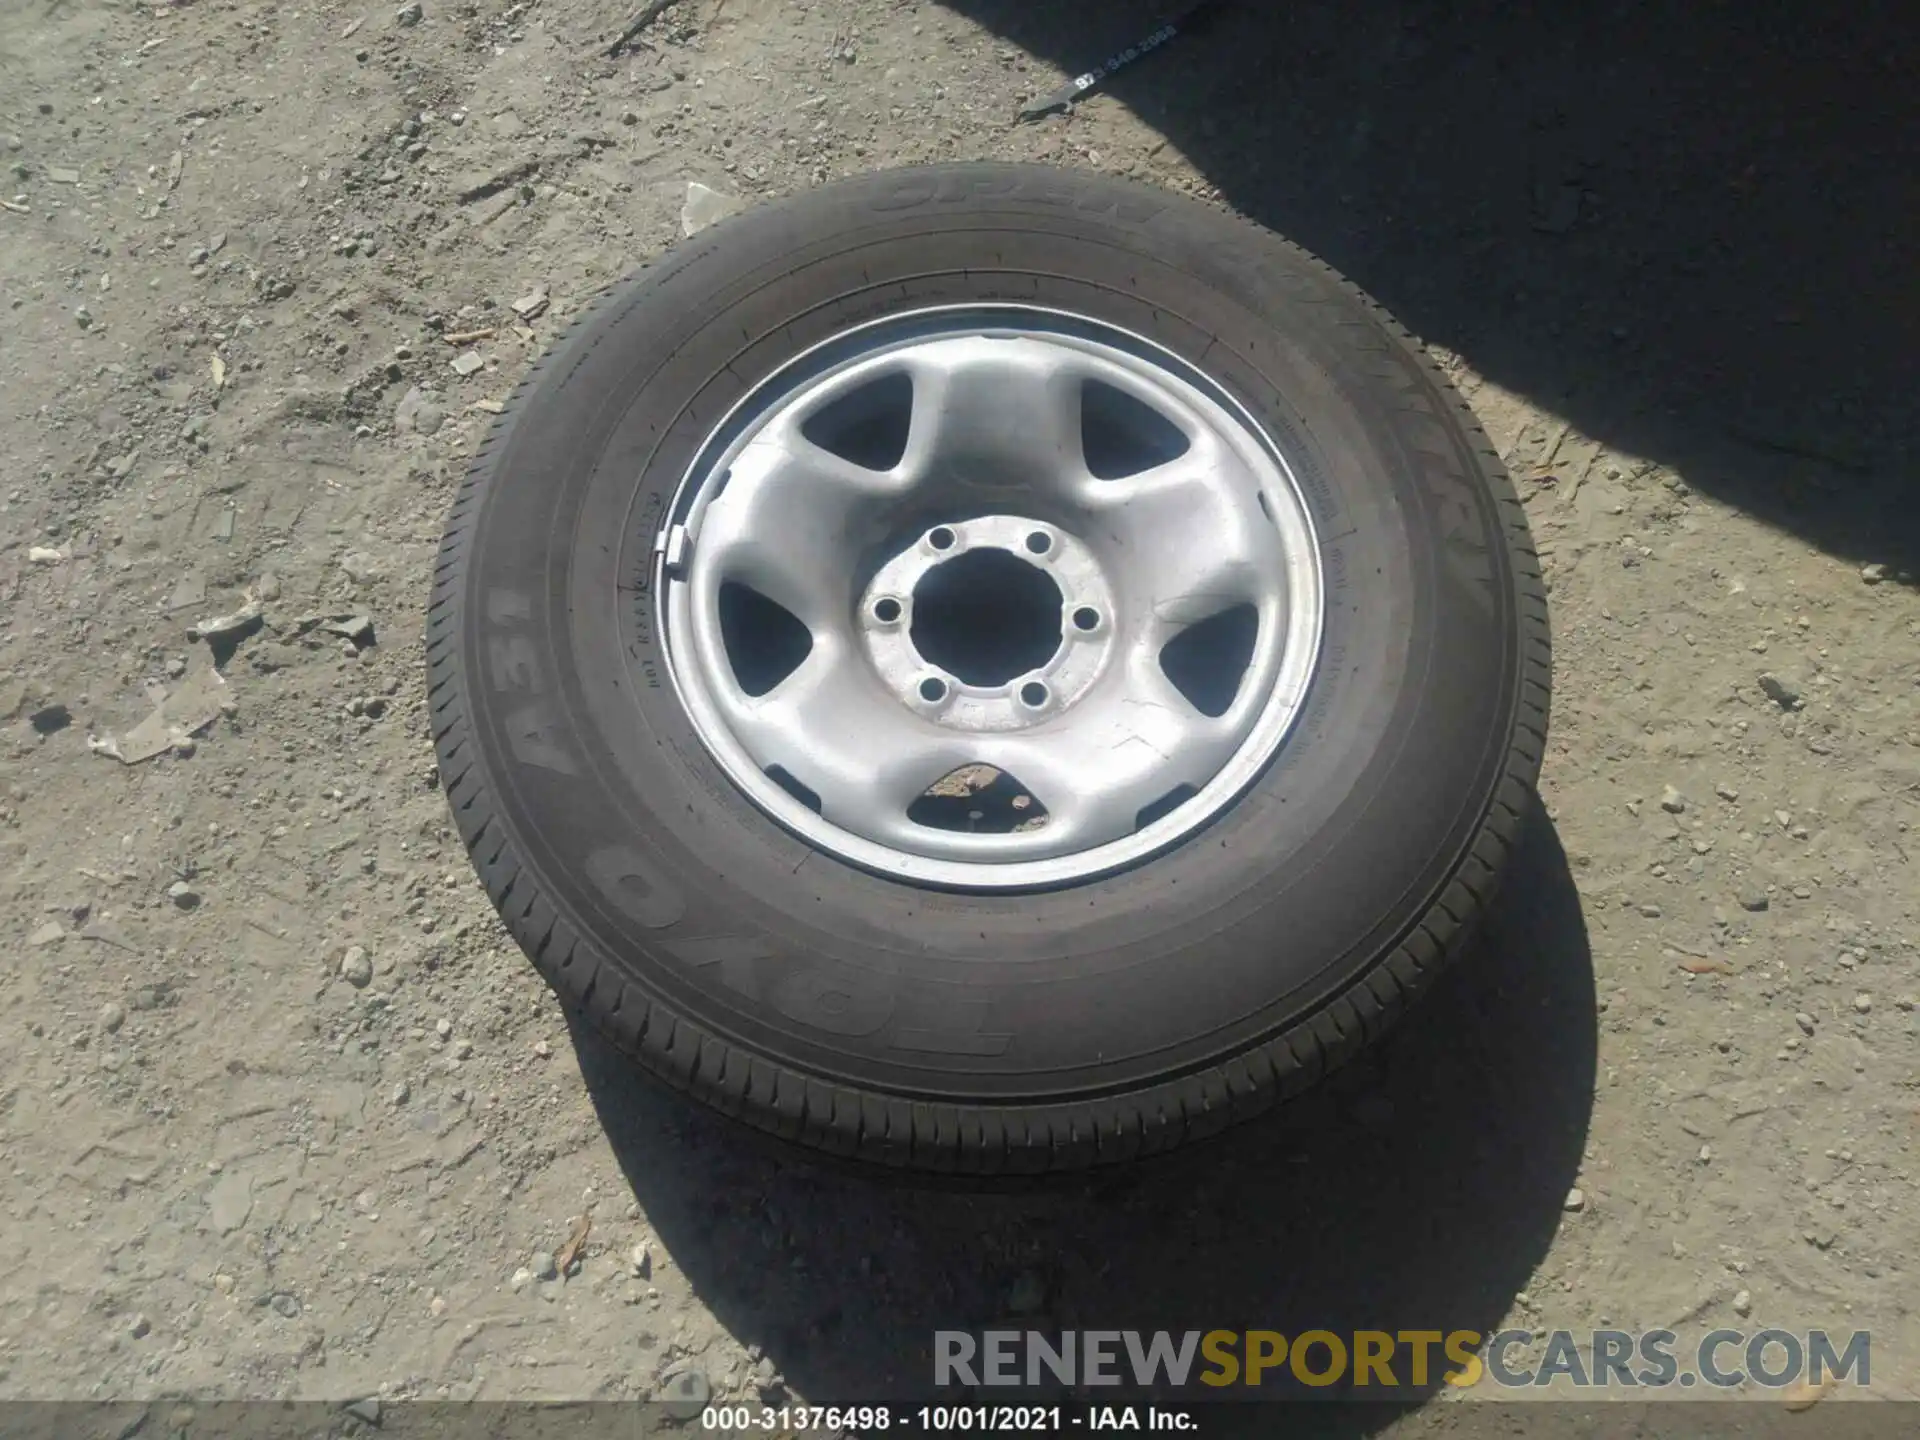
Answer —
(1651, 911)
(437, 1306)
(402, 1093)
(704, 206)
(685, 1395)
(409, 13)
(467, 362)
(543, 1267)
(522, 1278)
(285, 1306)
(462, 1048)
(369, 1408)
(1672, 801)
(183, 895)
(356, 968)
(82, 316)
(1863, 1003)
(1028, 1294)
(542, 1049)
(223, 1283)
(529, 306)
(1754, 898)
(1781, 692)
(140, 1327)
(443, 1028)
(112, 1016)
(1743, 1303)
(1576, 1200)
(50, 933)
(1804, 1021)
(1873, 574)
(44, 555)
(640, 1260)
(419, 413)
(1726, 791)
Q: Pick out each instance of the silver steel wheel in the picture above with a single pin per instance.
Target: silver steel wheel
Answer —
(990, 598)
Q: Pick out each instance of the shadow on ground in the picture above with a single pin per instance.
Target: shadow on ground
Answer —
(1686, 229)
(1419, 1189)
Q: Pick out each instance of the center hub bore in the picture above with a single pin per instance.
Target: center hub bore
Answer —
(986, 617)
(993, 623)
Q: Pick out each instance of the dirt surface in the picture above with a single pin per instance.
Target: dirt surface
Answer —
(286, 1115)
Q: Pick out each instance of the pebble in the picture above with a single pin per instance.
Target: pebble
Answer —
(685, 1395)
(1754, 898)
(1672, 801)
(419, 412)
(402, 1093)
(1863, 1003)
(704, 206)
(640, 1260)
(1651, 911)
(542, 1049)
(1576, 1200)
(443, 1028)
(183, 895)
(47, 934)
(462, 1049)
(1804, 1021)
(356, 968)
(409, 13)
(1726, 791)
(1873, 574)
(112, 1016)
(1781, 692)
(82, 316)
(522, 1278)
(467, 362)
(1743, 1304)
(367, 1410)
(285, 1306)
(1027, 1295)
(543, 1267)
(140, 1327)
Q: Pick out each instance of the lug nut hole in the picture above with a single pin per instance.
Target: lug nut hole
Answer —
(1033, 694)
(941, 538)
(886, 611)
(1039, 542)
(1086, 618)
(932, 689)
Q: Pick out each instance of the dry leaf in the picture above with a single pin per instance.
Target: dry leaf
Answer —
(1804, 1396)
(575, 1246)
(1707, 967)
(219, 373)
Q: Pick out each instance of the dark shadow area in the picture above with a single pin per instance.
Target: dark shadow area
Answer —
(1688, 230)
(1419, 1188)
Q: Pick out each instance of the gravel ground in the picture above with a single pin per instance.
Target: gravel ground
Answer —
(287, 1115)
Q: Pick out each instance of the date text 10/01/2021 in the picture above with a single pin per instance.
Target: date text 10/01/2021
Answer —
(980, 1419)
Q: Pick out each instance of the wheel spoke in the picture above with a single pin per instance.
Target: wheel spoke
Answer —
(1189, 539)
(790, 523)
(833, 728)
(999, 413)
(1121, 750)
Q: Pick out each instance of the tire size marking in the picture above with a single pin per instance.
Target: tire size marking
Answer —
(905, 192)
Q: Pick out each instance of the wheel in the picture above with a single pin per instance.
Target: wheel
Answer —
(988, 669)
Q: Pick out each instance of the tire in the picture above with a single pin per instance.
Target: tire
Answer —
(938, 1027)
